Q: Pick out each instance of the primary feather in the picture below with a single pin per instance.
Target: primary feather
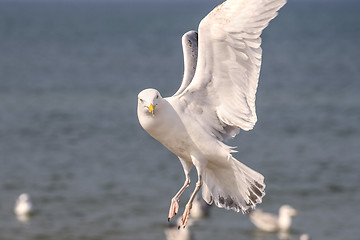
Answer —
(229, 61)
(189, 43)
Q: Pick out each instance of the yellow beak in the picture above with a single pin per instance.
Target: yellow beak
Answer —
(151, 108)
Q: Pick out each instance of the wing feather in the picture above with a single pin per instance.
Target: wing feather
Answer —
(228, 65)
(189, 43)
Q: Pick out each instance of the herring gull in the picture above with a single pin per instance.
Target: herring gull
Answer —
(23, 207)
(271, 223)
(174, 232)
(304, 236)
(215, 100)
(200, 209)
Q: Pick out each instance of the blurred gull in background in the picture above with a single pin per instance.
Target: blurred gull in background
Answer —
(200, 209)
(304, 236)
(23, 207)
(175, 232)
(272, 223)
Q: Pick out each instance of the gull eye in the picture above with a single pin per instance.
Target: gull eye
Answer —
(157, 96)
(141, 100)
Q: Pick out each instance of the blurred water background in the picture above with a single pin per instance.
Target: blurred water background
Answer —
(69, 135)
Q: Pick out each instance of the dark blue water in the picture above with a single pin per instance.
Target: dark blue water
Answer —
(69, 136)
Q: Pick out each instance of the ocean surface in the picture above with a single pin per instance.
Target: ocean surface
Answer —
(69, 135)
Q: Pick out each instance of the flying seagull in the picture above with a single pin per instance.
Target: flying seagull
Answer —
(215, 100)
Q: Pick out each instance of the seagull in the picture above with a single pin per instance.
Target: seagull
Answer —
(271, 223)
(23, 207)
(215, 100)
(304, 236)
(173, 232)
(200, 209)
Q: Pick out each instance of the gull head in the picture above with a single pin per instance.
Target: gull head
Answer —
(24, 197)
(287, 210)
(148, 100)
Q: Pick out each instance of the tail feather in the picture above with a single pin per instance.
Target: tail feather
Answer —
(233, 186)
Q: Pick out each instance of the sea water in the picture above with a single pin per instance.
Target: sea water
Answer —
(69, 135)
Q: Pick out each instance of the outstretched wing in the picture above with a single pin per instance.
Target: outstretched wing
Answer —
(223, 90)
(190, 52)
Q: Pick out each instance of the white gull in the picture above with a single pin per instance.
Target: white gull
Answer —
(215, 100)
(23, 207)
(271, 222)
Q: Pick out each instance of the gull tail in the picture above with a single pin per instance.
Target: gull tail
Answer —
(233, 186)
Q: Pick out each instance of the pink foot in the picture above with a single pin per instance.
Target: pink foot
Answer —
(185, 216)
(174, 208)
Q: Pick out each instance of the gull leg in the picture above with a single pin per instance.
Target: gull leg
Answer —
(188, 206)
(174, 206)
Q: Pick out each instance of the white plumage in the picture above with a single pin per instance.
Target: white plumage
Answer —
(304, 236)
(272, 223)
(173, 232)
(23, 206)
(215, 100)
(200, 209)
